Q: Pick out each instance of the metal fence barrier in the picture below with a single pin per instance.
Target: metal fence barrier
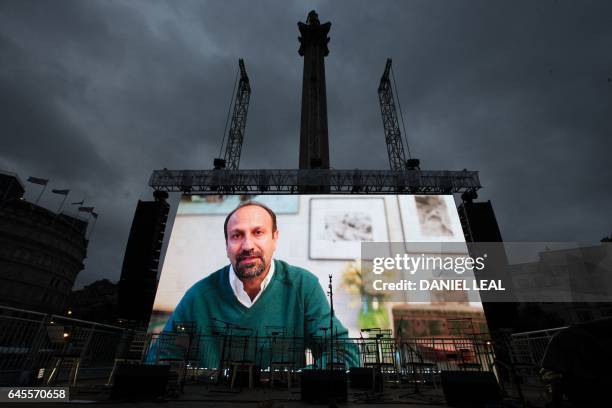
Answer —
(530, 347)
(527, 351)
(397, 356)
(41, 349)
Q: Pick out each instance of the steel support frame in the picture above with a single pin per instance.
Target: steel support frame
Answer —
(210, 182)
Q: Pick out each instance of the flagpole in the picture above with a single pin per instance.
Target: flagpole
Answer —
(90, 211)
(88, 218)
(77, 214)
(62, 204)
(40, 195)
(92, 228)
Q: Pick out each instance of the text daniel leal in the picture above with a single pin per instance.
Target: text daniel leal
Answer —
(442, 284)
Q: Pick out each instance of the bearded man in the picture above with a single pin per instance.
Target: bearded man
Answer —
(253, 294)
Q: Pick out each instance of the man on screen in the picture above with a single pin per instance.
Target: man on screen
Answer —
(256, 292)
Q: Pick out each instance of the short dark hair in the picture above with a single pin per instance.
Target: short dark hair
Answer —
(246, 204)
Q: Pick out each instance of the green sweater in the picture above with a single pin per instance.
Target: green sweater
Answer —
(293, 300)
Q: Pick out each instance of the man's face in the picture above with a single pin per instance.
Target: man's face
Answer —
(250, 241)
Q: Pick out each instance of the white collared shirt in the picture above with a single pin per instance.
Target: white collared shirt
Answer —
(238, 286)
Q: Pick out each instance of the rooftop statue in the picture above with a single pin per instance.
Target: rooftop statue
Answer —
(313, 18)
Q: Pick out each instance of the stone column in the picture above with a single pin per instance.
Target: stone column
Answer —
(314, 145)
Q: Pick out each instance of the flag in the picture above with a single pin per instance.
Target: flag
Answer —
(36, 180)
(79, 202)
(62, 192)
(86, 209)
(95, 215)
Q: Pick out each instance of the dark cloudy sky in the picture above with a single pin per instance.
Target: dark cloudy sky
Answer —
(94, 95)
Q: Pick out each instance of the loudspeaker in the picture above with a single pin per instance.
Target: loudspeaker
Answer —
(138, 382)
(470, 388)
(321, 386)
(138, 282)
(365, 378)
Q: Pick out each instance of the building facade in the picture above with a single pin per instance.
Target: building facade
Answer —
(41, 252)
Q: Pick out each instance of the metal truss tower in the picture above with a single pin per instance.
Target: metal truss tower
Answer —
(393, 136)
(235, 138)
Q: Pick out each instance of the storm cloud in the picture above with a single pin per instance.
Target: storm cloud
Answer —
(94, 95)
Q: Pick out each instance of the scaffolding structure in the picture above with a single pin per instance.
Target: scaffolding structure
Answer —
(292, 181)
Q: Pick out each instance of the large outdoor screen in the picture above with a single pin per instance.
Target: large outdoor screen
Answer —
(324, 234)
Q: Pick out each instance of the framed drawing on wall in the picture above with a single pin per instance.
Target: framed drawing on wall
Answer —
(431, 219)
(339, 225)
